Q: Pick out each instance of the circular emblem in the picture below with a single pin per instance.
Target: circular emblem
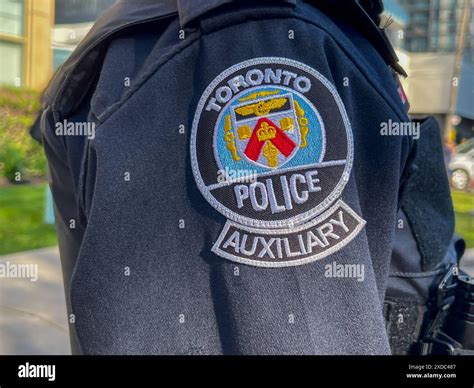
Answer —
(271, 144)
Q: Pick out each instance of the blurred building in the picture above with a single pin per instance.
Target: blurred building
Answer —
(433, 25)
(25, 42)
(36, 36)
(74, 19)
(80, 11)
(396, 19)
(425, 39)
(428, 87)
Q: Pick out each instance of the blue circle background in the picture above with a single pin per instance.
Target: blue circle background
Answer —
(312, 153)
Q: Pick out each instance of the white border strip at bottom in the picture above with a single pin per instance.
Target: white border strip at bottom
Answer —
(257, 263)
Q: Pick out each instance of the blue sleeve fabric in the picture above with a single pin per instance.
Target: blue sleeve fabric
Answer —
(295, 260)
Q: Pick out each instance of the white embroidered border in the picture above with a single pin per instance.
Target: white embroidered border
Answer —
(329, 163)
(279, 264)
(300, 217)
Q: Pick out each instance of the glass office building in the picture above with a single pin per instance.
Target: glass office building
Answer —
(80, 11)
(12, 40)
(433, 25)
(25, 40)
(28, 55)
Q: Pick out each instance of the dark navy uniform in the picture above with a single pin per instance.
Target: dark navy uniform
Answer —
(235, 193)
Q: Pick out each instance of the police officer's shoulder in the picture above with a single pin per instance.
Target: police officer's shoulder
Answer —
(66, 89)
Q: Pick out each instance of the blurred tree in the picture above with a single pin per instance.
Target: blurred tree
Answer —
(19, 153)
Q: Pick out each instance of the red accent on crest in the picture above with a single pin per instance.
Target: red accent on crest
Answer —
(281, 141)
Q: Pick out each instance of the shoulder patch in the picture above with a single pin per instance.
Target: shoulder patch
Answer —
(272, 150)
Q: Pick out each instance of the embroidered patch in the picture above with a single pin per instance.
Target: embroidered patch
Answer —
(272, 150)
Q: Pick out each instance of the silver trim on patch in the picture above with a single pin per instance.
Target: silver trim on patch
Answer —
(302, 217)
(278, 264)
(329, 163)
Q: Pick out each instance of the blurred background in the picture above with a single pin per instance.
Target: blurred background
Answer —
(434, 40)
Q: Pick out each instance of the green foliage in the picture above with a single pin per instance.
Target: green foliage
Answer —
(21, 219)
(464, 209)
(18, 151)
(13, 160)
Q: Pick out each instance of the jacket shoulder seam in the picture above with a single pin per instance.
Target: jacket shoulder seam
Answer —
(171, 55)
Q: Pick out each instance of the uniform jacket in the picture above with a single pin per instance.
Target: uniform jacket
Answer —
(162, 256)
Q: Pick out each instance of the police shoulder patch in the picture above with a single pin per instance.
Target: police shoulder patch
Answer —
(272, 150)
